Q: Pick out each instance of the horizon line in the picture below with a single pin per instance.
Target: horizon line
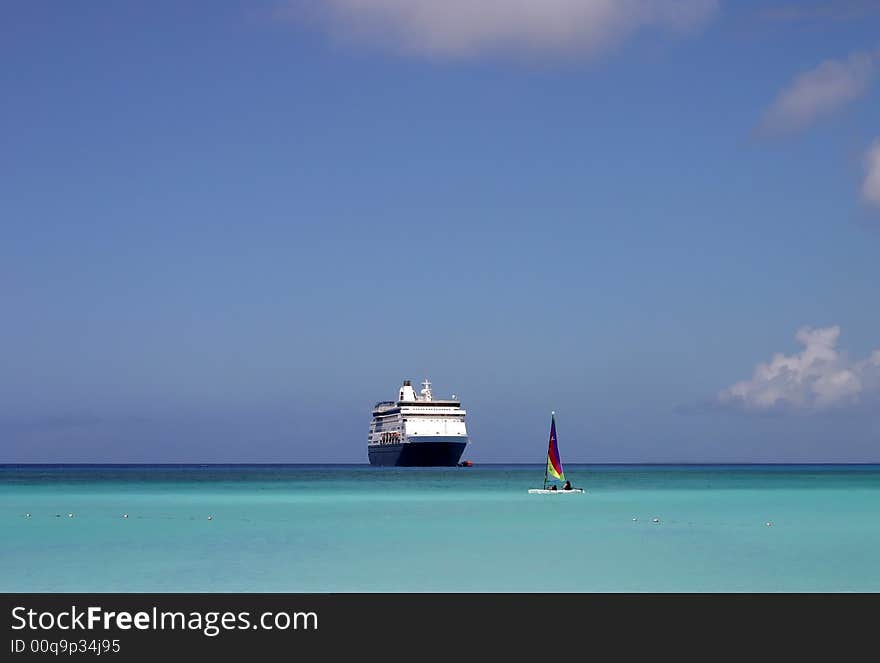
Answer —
(367, 464)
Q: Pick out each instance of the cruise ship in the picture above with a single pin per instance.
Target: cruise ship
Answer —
(417, 430)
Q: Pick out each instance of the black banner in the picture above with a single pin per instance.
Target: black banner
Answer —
(135, 627)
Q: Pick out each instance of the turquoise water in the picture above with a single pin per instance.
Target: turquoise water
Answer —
(357, 528)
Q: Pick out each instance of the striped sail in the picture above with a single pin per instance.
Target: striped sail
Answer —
(554, 464)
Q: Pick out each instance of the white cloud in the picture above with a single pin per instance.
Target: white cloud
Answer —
(818, 378)
(821, 91)
(871, 185)
(470, 28)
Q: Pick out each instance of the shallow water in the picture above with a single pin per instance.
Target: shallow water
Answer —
(358, 528)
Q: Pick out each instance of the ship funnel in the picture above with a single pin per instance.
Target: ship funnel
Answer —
(407, 393)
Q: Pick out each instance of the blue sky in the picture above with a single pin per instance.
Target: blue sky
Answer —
(228, 228)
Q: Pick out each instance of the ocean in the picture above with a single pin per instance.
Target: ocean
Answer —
(355, 528)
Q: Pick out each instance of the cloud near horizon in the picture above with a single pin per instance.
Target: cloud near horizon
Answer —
(820, 92)
(459, 29)
(871, 185)
(819, 378)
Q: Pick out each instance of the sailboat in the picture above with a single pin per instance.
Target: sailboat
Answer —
(554, 468)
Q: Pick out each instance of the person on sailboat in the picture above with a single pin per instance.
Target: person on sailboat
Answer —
(567, 486)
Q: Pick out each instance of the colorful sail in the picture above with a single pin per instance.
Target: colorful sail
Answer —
(554, 464)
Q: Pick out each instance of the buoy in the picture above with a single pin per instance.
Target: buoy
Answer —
(769, 523)
(210, 517)
(125, 515)
(655, 520)
(70, 515)
(635, 520)
(27, 515)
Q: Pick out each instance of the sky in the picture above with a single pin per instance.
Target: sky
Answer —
(227, 228)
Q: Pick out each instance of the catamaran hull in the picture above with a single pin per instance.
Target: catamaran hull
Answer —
(417, 454)
(544, 491)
